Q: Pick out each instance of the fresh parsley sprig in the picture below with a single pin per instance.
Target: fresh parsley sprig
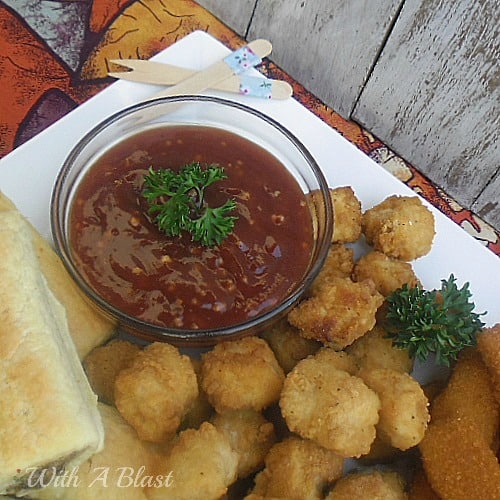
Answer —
(177, 203)
(433, 321)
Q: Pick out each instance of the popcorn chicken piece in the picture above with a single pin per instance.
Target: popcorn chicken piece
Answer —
(375, 350)
(241, 374)
(288, 346)
(103, 364)
(404, 413)
(386, 272)
(296, 469)
(250, 435)
(400, 226)
(334, 409)
(338, 314)
(347, 215)
(156, 391)
(339, 263)
(375, 485)
(202, 465)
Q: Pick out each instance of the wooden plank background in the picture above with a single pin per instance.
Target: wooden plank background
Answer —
(421, 75)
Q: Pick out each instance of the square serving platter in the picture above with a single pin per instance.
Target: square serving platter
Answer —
(28, 173)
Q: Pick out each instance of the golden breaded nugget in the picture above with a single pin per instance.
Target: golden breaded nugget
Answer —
(386, 272)
(338, 314)
(375, 350)
(400, 226)
(103, 364)
(296, 469)
(201, 463)
(156, 391)
(404, 411)
(372, 485)
(241, 374)
(339, 263)
(327, 405)
(288, 346)
(346, 215)
(250, 435)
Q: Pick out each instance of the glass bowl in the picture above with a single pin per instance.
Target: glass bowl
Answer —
(197, 111)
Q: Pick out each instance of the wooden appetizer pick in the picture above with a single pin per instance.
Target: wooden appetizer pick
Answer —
(157, 73)
(227, 74)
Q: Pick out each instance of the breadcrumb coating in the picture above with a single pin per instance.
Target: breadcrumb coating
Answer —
(458, 449)
(339, 313)
(288, 345)
(250, 435)
(400, 226)
(386, 272)
(327, 405)
(373, 485)
(375, 350)
(297, 469)
(488, 344)
(347, 215)
(103, 364)
(241, 374)
(339, 263)
(156, 391)
(404, 411)
(202, 466)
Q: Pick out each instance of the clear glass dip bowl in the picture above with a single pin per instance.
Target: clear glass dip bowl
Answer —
(203, 111)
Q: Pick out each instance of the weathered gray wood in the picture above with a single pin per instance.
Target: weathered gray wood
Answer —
(235, 14)
(433, 97)
(327, 45)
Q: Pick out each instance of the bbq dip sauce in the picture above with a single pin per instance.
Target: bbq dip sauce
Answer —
(173, 281)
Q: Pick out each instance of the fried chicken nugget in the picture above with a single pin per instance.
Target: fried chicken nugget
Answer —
(297, 469)
(386, 272)
(347, 215)
(288, 346)
(201, 464)
(156, 391)
(327, 405)
(373, 485)
(201, 410)
(241, 374)
(339, 263)
(250, 435)
(375, 350)
(488, 344)
(339, 313)
(103, 364)
(400, 226)
(404, 413)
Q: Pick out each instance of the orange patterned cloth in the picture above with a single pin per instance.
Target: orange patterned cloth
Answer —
(54, 56)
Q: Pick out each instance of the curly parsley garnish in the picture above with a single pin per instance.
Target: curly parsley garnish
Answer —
(437, 321)
(177, 203)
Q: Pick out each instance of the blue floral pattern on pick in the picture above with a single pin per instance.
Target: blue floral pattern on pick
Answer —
(256, 86)
(242, 59)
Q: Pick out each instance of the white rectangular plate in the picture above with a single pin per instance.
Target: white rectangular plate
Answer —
(28, 173)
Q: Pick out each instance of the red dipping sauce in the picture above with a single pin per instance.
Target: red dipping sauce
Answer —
(172, 281)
